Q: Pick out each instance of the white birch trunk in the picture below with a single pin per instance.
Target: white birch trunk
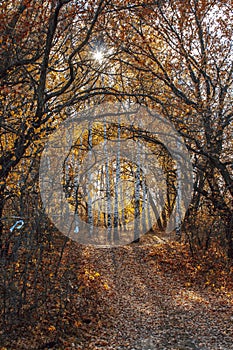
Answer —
(117, 180)
(89, 178)
(178, 196)
(137, 194)
(108, 188)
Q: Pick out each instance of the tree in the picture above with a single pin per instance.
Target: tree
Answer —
(180, 58)
(175, 59)
(42, 75)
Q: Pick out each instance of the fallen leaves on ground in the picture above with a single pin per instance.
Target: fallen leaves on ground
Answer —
(137, 297)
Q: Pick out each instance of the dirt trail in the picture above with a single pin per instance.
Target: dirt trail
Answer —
(151, 308)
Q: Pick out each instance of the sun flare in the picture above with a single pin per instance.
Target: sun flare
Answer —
(99, 56)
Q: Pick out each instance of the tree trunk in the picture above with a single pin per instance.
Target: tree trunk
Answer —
(229, 237)
(1, 222)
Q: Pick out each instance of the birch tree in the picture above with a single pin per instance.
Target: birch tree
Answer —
(179, 60)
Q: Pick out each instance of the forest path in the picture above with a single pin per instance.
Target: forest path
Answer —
(153, 306)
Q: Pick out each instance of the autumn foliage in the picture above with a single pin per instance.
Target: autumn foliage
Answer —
(58, 58)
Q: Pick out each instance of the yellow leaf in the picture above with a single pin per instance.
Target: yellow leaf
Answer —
(78, 323)
(52, 328)
(106, 286)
